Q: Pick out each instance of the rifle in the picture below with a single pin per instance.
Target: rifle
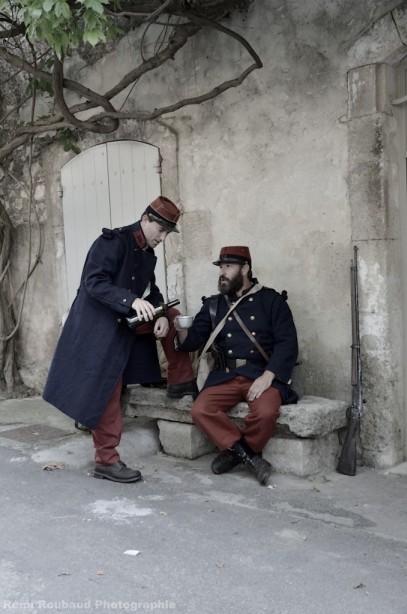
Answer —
(347, 459)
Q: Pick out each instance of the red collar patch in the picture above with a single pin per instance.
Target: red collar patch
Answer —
(140, 239)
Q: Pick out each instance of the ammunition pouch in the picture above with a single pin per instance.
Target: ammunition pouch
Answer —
(218, 357)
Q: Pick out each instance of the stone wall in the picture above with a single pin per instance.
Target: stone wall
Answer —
(299, 163)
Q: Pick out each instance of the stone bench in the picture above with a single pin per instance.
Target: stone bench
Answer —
(306, 441)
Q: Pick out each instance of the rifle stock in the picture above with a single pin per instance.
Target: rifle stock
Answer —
(347, 459)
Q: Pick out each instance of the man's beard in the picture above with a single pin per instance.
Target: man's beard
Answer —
(232, 286)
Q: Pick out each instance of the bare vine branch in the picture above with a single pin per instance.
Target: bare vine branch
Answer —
(178, 38)
(93, 126)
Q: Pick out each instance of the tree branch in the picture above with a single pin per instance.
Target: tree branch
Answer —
(177, 40)
(146, 16)
(75, 86)
(13, 32)
(214, 24)
(213, 93)
(58, 83)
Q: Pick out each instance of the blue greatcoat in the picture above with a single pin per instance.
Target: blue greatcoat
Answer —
(268, 318)
(96, 347)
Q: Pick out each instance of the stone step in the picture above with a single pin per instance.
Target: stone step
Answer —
(306, 441)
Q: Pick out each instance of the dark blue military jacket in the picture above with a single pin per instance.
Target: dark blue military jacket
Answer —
(96, 347)
(268, 317)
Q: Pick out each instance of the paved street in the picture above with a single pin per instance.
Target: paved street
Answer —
(184, 540)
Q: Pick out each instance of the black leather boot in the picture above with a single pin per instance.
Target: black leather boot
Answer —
(254, 463)
(177, 391)
(225, 461)
(118, 472)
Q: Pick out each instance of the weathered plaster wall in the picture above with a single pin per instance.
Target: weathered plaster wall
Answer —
(286, 165)
(274, 177)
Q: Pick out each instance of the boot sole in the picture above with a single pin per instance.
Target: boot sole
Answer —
(101, 476)
(175, 395)
(265, 478)
(224, 470)
(264, 474)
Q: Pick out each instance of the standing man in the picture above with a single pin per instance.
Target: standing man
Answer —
(97, 353)
(254, 365)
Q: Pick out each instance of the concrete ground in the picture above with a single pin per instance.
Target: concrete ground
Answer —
(185, 540)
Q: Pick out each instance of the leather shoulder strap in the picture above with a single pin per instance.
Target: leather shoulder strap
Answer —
(246, 330)
(221, 324)
(213, 308)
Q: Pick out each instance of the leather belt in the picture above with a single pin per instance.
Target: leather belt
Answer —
(235, 363)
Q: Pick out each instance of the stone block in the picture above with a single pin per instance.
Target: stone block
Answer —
(311, 417)
(183, 440)
(379, 43)
(370, 89)
(374, 205)
(303, 457)
(154, 403)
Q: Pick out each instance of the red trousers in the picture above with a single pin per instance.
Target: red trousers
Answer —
(179, 368)
(107, 434)
(209, 414)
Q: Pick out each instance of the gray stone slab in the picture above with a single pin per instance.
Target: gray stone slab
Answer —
(303, 457)
(313, 416)
(154, 403)
(310, 417)
(183, 440)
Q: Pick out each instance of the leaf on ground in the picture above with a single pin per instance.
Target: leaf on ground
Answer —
(52, 466)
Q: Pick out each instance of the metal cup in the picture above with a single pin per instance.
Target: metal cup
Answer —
(185, 321)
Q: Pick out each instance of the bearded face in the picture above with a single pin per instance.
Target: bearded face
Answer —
(230, 279)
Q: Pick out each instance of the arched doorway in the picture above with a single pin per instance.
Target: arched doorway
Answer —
(108, 185)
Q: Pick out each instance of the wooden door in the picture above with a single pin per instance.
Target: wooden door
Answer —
(108, 185)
